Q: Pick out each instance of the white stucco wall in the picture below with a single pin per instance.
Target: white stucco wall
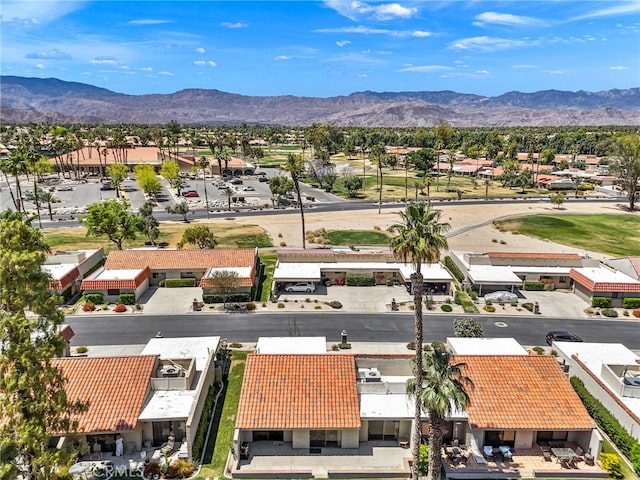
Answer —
(300, 439)
(351, 438)
(524, 439)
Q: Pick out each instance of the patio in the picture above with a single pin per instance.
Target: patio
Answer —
(266, 459)
(133, 460)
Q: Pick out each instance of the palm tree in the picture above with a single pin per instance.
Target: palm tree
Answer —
(228, 193)
(294, 166)
(487, 184)
(16, 165)
(420, 239)
(443, 388)
(203, 163)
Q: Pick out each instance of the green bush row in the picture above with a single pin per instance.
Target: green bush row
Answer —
(215, 298)
(207, 412)
(360, 281)
(95, 298)
(602, 302)
(631, 303)
(127, 298)
(533, 286)
(453, 268)
(179, 282)
(607, 422)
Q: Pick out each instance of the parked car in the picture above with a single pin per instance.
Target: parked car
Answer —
(222, 186)
(235, 181)
(190, 193)
(106, 186)
(64, 188)
(300, 287)
(263, 178)
(248, 188)
(501, 296)
(562, 336)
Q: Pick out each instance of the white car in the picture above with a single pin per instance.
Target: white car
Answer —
(501, 296)
(300, 287)
(64, 188)
(248, 189)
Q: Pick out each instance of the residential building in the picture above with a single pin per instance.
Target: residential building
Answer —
(604, 282)
(68, 269)
(628, 265)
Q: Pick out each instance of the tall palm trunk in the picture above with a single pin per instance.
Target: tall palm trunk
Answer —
(380, 190)
(301, 207)
(13, 197)
(417, 289)
(435, 445)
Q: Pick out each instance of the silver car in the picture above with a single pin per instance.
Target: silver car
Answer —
(501, 296)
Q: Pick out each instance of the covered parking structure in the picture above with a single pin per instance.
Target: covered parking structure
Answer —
(489, 279)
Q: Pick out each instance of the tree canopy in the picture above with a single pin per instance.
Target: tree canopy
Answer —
(113, 219)
(626, 165)
(199, 235)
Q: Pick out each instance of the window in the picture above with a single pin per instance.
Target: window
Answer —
(496, 438)
(113, 291)
(562, 280)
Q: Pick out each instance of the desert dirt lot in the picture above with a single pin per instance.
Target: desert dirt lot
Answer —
(471, 228)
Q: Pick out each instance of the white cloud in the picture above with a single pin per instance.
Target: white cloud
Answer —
(147, 21)
(355, 9)
(166, 74)
(555, 72)
(146, 69)
(343, 43)
(40, 66)
(523, 66)
(362, 30)
(52, 54)
(27, 13)
(235, 24)
(483, 72)
(205, 63)
(618, 67)
(505, 19)
(623, 8)
(488, 44)
(363, 75)
(104, 61)
(282, 57)
(425, 68)
(200, 50)
(420, 34)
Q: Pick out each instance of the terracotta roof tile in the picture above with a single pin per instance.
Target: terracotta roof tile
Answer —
(595, 286)
(116, 284)
(522, 392)
(115, 388)
(299, 392)
(180, 259)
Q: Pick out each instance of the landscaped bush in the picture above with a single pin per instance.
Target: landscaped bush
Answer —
(489, 308)
(533, 286)
(88, 306)
(181, 468)
(609, 312)
(215, 298)
(334, 304)
(250, 306)
(359, 281)
(446, 308)
(95, 298)
(152, 469)
(609, 424)
(473, 295)
(602, 302)
(119, 308)
(538, 350)
(180, 282)
(636, 313)
(82, 349)
(127, 298)
(207, 412)
(457, 299)
(611, 463)
(631, 303)
(528, 306)
(453, 268)
(281, 305)
(161, 283)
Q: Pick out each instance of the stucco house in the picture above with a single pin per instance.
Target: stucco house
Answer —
(68, 269)
(603, 281)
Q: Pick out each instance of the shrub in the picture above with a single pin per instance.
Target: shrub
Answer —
(88, 306)
(457, 299)
(205, 418)
(180, 282)
(281, 305)
(95, 298)
(250, 306)
(121, 307)
(489, 308)
(538, 350)
(602, 302)
(283, 244)
(127, 298)
(151, 469)
(318, 307)
(631, 303)
(488, 303)
(82, 349)
(181, 468)
(389, 282)
(446, 308)
(344, 346)
(105, 306)
(528, 306)
(609, 312)
(335, 304)
(611, 463)
(636, 313)
(423, 459)
(533, 286)
(453, 268)
(473, 294)
(236, 297)
(467, 327)
(161, 283)
(360, 281)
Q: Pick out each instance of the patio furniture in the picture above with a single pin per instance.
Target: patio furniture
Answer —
(546, 455)
(580, 454)
(589, 459)
(563, 454)
(168, 447)
(506, 452)
(96, 452)
(488, 452)
(564, 463)
(403, 442)
(244, 451)
(573, 462)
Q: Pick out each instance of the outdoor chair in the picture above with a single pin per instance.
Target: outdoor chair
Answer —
(546, 455)
(564, 463)
(170, 446)
(488, 452)
(573, 462)
(580, 454)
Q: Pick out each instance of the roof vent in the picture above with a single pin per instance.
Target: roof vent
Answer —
(372, 376)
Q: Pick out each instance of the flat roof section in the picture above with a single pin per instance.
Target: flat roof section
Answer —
(485, 346)
(493, 275)
(299, 345)
(183, 347)
(165, 405)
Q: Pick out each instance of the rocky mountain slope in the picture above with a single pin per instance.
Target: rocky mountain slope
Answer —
(52, 100)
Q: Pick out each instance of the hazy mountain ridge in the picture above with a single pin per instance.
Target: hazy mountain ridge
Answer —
(53, 100)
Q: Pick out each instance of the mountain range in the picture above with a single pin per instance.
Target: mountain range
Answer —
(50, 100)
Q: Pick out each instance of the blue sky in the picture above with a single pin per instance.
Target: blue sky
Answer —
(325, 48)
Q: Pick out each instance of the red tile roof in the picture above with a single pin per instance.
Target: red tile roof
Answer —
(513, 392)
(299, 392)
(115, 283)
(595, 286)
(545, 255)
(63, 282)
(114, 387)
(180, 259)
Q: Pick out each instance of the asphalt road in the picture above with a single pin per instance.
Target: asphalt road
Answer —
(390, 327)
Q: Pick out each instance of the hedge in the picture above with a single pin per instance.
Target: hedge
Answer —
(127, 298)
(533, 286)
(360, 281)
(631, 303)
(453, 268)
(609, 312)
(207, 412)
(216, 298)
(95, 298)
(602, 302)
(180, 282)
(446, 308)
(607, 422)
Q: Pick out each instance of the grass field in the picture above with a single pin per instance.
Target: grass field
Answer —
(616, 235)
(357, 237)
(229, 235)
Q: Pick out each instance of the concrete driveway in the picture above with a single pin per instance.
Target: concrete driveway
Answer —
(159, 301)
(559, 303)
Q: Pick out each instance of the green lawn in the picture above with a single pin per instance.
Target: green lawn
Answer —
(616, 235)
(357, 237)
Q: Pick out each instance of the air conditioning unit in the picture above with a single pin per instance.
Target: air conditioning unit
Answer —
(372, 376)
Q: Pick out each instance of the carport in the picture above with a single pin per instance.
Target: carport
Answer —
(295, 272)
(493, 278)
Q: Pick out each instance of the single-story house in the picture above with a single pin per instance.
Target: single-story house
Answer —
(485, 346)
(334, 265)
(111, 283)
(68, 269)
(611, 373)
(143, 398)
(492, 271)
(604, 282)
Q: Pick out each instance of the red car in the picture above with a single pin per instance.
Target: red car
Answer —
(190, 193)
